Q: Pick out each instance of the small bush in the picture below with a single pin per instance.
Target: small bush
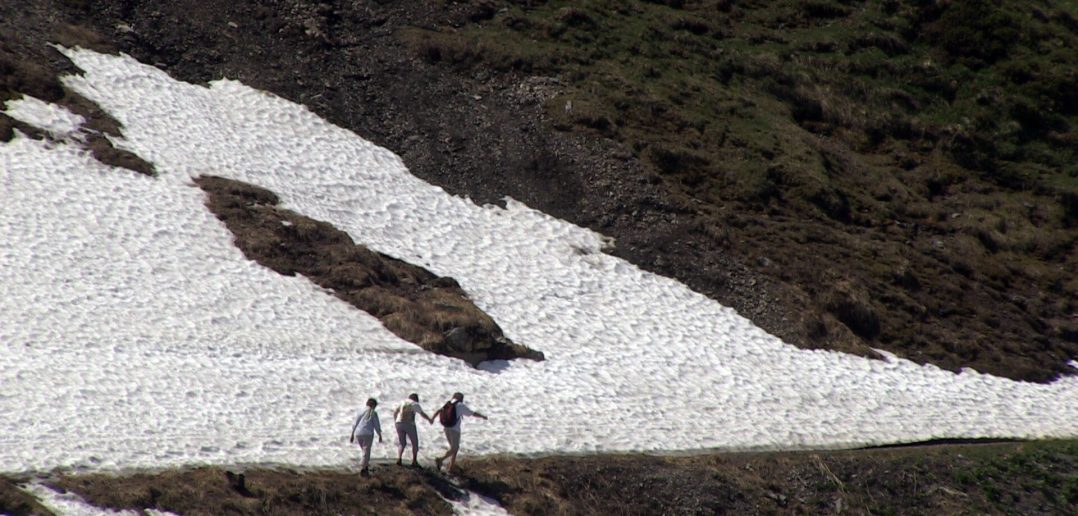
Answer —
(977, 31)
(889, 43)
(574, 17)
(823, 9)
(692, 25)
(1069, 202)
(670, 160)
(854, 310)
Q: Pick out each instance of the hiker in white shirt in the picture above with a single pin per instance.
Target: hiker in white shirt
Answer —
(450, 415)
(363, 430)
(404, 420)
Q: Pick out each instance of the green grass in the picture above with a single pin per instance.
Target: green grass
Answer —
(1047, 470)
(854, 123)
(988, 82)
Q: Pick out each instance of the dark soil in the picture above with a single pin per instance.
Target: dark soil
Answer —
(414, 303)
(826, 229)
(1008, 478)
(391, 490)
(969, 479)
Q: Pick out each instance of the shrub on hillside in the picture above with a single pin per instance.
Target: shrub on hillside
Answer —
(978, 32)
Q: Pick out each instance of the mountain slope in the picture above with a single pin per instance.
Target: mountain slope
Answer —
(849, 175)
(157, 369)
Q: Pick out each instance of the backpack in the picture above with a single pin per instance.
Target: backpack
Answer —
(448, 415)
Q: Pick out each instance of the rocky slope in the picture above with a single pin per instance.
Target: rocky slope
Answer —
(848, 175)
(852, 175)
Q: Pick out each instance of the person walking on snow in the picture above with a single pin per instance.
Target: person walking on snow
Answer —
(404, 420)
(363, 430)
(450, 415)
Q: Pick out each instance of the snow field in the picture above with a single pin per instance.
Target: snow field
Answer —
(134, 333)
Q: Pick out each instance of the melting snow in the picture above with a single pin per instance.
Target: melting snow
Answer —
(134, 334)
(475, 504)
(70, 504)
(56, 120)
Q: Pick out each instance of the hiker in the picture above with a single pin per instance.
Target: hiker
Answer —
(450, 415)
(363, 431)
(404, 420)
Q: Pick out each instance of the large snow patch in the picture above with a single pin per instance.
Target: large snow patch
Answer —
(133, 333)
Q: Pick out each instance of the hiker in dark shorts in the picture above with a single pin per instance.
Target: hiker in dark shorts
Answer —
(404, 420)
(363, 430)
(450, 415)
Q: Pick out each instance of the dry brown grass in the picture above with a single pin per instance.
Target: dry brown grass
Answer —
(972, 478)
(413, 303)
(444, 309)
(945, 478)
(216, 491)
(380, 301)
(20, 75)
(17, 502)
(406, 328)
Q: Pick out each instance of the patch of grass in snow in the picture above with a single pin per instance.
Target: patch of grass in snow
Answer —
(412, 302)
(14, 500)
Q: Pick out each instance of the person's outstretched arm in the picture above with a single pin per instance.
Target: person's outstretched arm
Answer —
(478, 415)
(377, 426)
(435, 416)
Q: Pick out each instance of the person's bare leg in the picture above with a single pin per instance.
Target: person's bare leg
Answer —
(400, 443)
(366, 442)
(449, 439)
(414, 437)
(454, 447)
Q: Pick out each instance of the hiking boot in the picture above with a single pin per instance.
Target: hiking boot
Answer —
(438, 464)
(364, 473)
(399, 462)
(415, 464)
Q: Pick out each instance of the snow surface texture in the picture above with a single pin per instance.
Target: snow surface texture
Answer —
(53, 119)
(475, 504)
(134, 334)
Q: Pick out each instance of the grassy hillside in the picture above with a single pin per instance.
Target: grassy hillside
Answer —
(851, 175)
(906, 167)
